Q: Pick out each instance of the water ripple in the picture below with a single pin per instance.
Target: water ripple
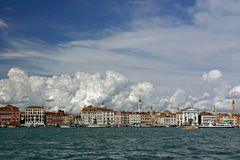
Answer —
(119, 143)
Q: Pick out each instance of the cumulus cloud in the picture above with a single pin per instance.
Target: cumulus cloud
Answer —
(178, 98)
(212, 75)
(72, 93)
(235, 91)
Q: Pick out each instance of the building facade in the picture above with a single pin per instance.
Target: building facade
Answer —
(229, 118)
(77, 120)
(54, 118)
(125, 118)
(190, 116)
(117, 119)
(169, 118)
(34, 116)
(134, 118)
(9, 115)
(206, 118)
(22, 118)
(97, 115)
(145, 119)
(179, 118)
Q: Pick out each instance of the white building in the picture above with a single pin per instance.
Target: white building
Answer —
(97, 115)
(169, 118)
(134, 118)
(34, 116)
(190, 116)
(207, 118)
(179, 118)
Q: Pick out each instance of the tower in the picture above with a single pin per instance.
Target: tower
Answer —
(233, 106)
(139, 105)
(213, 109)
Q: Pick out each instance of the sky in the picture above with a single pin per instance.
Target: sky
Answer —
(170, 53)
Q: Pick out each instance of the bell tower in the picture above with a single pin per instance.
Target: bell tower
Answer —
(233, 106)
(140, 105)
(213, 109)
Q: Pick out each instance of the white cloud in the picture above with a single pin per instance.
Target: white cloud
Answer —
(235, 91)
(3, 24)
(178, 98)
(72, 93)
(212, 75)
(19, 54)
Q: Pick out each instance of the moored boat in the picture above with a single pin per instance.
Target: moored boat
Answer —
(64, 126)
(189, 127)
(217, 125)
(93, 126)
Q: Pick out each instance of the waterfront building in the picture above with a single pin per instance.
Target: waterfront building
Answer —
(97, 115)
(152, 115)
(9, 115)
(34, 116)
(169, 118)
(117, 119)
(235, 119)
(145, 119)
(54, 118)
(125, 118)
(190, 116)
(179, 118)
(77, 120)
(229, 118)
(68, 119)
(158, 120)
(22, 118)
(134, 118)
(206, 118)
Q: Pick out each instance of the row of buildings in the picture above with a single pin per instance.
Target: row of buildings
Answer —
(102, 116)
(35, 116)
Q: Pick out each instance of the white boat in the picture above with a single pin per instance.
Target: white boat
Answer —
(98, 126)
(64, 126)
(216, 125)
(93, 126)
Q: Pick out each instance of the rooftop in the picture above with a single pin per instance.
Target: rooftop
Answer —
(96, 109)
(9, 108)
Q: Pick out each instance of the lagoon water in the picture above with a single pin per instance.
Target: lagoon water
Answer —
(119, 143)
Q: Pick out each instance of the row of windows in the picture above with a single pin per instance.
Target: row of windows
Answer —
(34, 118)
(99, 113)
(9, 114)
(9, 119)
(34, 112)
(29, 110)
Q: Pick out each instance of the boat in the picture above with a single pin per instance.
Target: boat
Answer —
(189, 126)
(64, 126)
(93, 126)
(11, 126)
(216, 125)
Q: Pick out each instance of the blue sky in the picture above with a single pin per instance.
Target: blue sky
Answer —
(61, 21)
(169, 43)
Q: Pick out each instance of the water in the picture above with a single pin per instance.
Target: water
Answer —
(119, 143)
